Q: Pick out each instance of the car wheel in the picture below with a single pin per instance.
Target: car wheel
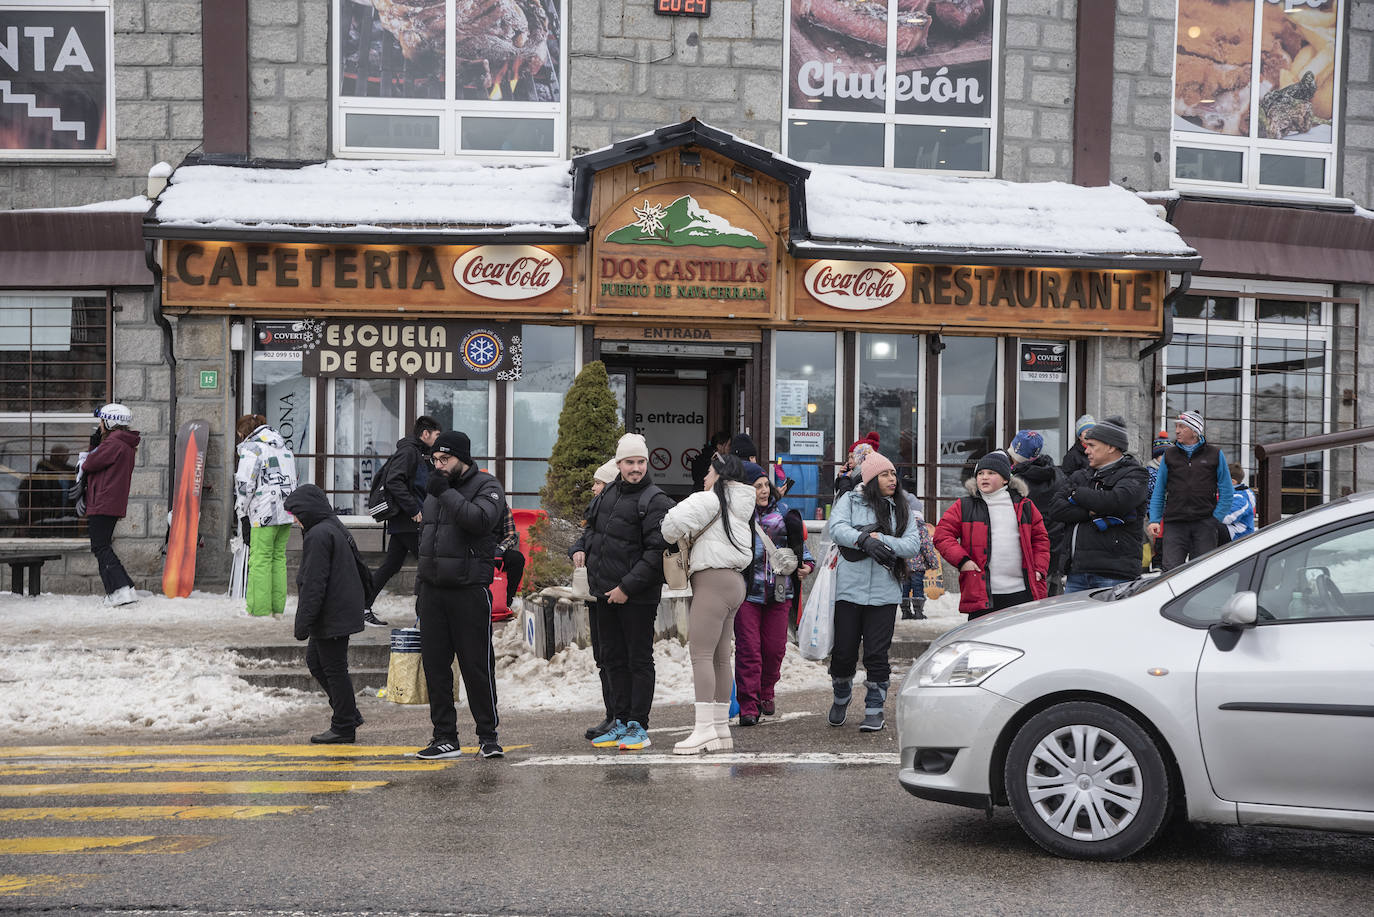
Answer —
(1086, 781)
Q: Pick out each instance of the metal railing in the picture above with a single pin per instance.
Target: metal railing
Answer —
(1269, 457)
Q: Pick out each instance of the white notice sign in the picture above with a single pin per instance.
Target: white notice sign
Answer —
(790, 397)
(807, 442)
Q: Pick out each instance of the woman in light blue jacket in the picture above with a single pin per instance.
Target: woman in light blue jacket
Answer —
(877, 533)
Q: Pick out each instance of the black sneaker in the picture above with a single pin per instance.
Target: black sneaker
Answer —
(372, 620)
(748, 719)
(600, 729)
(330, 737)
(439, 749)
(491, 750)
(873, 722)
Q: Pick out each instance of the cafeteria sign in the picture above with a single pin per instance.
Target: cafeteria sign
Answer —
(408, 349)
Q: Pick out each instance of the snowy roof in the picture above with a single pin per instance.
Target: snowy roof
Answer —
(381, 195)
(136, 204)
(870, 208)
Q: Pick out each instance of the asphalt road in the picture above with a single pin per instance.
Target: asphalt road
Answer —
(546, 832)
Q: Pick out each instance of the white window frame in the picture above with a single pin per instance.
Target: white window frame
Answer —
(450, 110)
(1248, 328)
(1255, 147)
(890, 119)
(1071, 382)
(104, 155)
(999, 414)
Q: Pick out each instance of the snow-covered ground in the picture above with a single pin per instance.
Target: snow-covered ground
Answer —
(161, 666)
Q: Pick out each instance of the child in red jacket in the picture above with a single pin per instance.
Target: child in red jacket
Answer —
(997, 541)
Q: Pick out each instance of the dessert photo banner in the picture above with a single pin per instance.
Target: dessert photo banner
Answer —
(838, 56)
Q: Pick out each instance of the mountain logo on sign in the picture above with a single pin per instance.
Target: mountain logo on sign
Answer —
(683, 222)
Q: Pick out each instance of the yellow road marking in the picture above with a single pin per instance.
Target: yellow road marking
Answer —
(122, 813)
(211, 767)
(20, 846)
(252, 751)
(34, 885)
(186, 787)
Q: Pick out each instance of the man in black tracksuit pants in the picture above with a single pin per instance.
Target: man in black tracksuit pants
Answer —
(462, 523)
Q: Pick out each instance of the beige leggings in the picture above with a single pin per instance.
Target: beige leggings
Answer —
(716, 596)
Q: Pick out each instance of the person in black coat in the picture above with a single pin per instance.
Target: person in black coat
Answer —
(719, 445)
(1103, 508)
(329, 606)
(406, 474)
(1076, 459)
(1043, 479)
(463, 523)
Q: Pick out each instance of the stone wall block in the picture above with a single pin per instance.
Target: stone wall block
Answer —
(1014, 78)
(1361, 56)
(1021, 8)
(763, 95)
(1057, 36)
(730, 19)
(269, 120)
(143, 120)
(716, 53)
(200, 339)
(131, 84)
(310, 130)
(275, 45)
(590, 75)
(188, 120)
(273, 12)
(186, 50)
(714, 85)
(314, 31)
(763, 55)
(126, 17)
(1130, 55)
(174, 83)
(144, 50)
(1055, 125)
(305, 82)
(1018, 123)
(264, 82)
(1023, 33)
(128, 383)
(640, 21)
(1048, 89)
(769, 18)
(165, 16)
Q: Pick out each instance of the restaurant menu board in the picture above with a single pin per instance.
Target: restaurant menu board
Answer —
(838, 56)
(504, 50)
(1295, 71)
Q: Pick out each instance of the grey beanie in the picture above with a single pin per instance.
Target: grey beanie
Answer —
(1110, 431)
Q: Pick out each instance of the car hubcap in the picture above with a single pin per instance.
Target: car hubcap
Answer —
(1084, 783)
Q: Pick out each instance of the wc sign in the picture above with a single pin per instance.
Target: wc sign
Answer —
(56, 81)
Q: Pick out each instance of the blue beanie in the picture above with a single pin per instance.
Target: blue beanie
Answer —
(1026, 446)
(752, 472)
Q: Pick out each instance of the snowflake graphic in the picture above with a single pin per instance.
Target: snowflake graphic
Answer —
(515, 357)
(481, 350)
(649, 219)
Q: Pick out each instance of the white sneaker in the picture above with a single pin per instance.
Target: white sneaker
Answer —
(124, 595)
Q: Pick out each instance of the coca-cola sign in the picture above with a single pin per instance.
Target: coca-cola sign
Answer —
(855, 285)
(508, 271)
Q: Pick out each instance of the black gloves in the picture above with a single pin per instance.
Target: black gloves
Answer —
(438, 483)
(877, 549)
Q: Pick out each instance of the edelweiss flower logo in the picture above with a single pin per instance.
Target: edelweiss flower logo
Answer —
(649, 218)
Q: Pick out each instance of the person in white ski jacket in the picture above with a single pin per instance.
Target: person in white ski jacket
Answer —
(718, 519)
(266, 474)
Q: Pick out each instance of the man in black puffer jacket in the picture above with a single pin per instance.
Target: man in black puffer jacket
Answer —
(1043, 479)
(462, 525)
(1104, 508)
(329, 606)
(622, 549)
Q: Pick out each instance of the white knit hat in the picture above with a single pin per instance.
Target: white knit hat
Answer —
(606, 473)
(1191, 419)
(631, 445)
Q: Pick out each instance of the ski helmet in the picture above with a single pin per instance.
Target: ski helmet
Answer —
(115, 415)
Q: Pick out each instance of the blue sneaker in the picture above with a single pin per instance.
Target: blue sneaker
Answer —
(635, 737)
(611, 737)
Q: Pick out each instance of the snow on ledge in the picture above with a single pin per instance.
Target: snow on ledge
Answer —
(136, 204)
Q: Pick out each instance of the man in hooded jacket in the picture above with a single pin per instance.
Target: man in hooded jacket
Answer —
(463, 512)
(329, 606)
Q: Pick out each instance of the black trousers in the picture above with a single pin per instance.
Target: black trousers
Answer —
(1183, 540)
(1002, 600)
(873, 624)
(594, 618)
(627, 657)
(398, 547)
(327, 659)
(457, 622)
(513, 562)
(112, 573)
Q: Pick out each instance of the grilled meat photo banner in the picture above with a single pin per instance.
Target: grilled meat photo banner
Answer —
(944, 56)
(503, 50)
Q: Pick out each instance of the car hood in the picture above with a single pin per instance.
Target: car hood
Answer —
(1015, 619)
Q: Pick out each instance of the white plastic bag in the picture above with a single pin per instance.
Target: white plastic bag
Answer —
(816, 630)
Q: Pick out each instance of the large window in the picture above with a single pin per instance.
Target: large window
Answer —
(804, 420)
(970, 382)
(1263, 364)
(54, 370)
(549, 367)
(892, 83)
(1256, 88)
(890, 396)
(443, 77)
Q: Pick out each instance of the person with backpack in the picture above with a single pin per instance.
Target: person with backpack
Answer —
(266, 474)
(329, 606)
(996, 539)
(622, 549)
(717, 520)
(400, 483)
(1240, 520)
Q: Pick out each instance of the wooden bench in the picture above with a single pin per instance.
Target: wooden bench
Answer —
(33, 563)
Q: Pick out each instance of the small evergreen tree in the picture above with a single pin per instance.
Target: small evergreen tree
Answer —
(587, 435)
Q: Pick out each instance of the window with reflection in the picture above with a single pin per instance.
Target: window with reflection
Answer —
(1042, 397)
(461, 404)
(536, 401)
(804, 406)
(890, 395)
(367, 424)
(968, 409)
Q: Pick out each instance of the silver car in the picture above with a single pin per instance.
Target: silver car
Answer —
(1238, 689)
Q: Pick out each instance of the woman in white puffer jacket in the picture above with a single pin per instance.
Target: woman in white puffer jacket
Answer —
(719, 557)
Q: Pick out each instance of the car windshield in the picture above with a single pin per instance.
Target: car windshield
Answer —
(1151, 580)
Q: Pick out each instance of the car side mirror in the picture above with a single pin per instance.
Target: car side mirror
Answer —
(1240, 610)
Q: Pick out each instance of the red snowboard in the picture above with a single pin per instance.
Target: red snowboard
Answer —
(179, 572)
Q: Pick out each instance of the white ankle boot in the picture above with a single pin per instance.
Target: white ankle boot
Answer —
(703, 737)
(722, 724)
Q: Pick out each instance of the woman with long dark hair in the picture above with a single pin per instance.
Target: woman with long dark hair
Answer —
(876, 533)
(717, 520)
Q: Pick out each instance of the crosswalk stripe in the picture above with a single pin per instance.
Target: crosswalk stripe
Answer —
(21, 846)
(131, 813)
(186, 787)
(715, 759)
(212, 767)
(42, 884)
(249, 751)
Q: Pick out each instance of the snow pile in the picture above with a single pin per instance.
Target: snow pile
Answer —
(52, 688)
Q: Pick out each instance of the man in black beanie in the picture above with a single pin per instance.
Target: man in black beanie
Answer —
(1103, 507)
(463, 513)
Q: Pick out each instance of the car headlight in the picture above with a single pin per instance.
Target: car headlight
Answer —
(963, 664)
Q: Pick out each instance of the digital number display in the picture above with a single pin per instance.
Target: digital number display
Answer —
(682, 7)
